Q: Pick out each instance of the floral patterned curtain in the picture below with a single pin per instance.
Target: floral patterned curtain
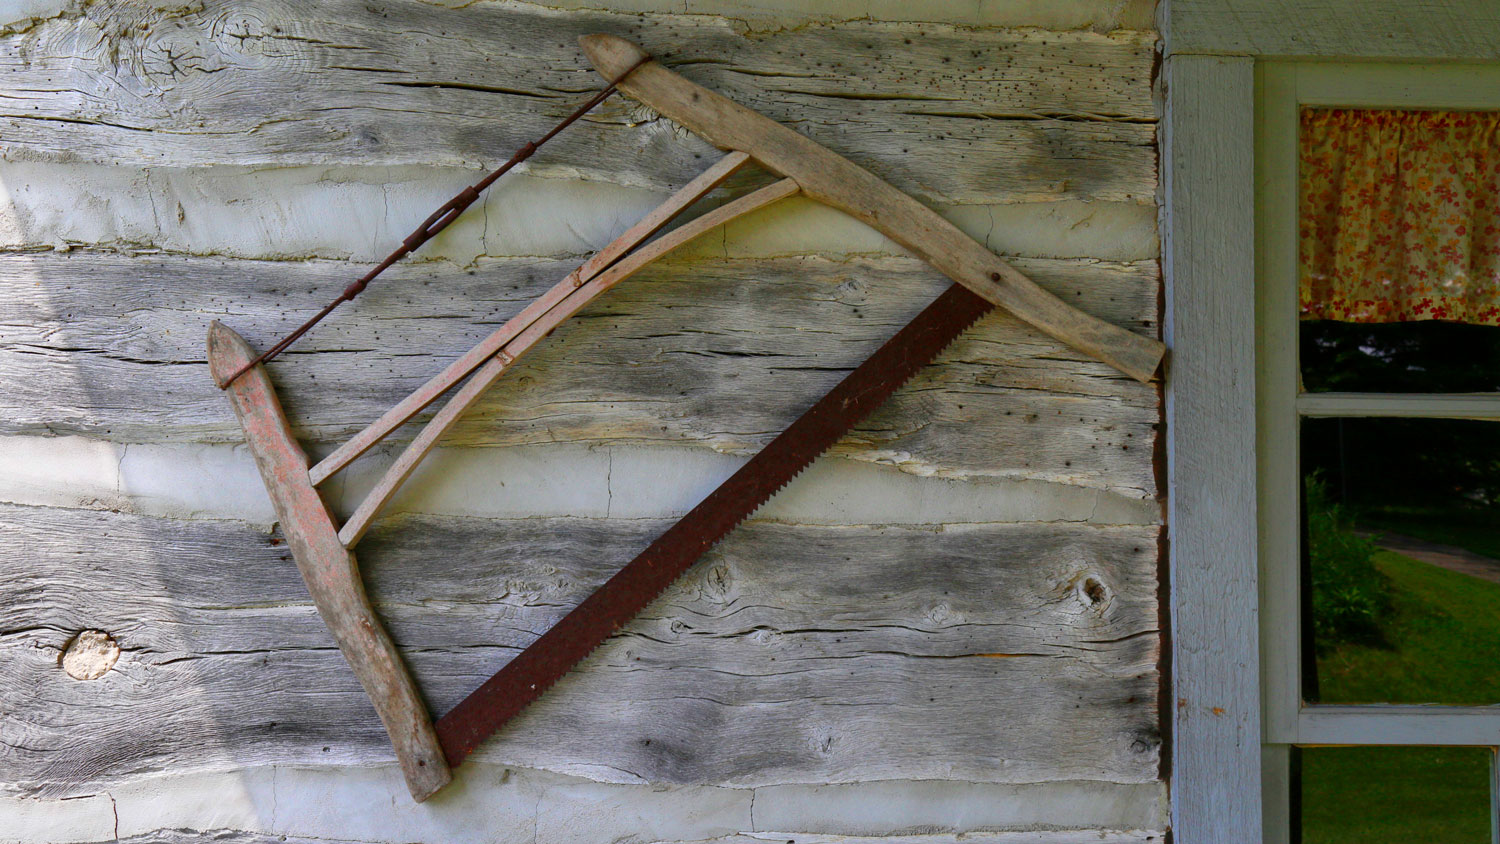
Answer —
(1400, 215)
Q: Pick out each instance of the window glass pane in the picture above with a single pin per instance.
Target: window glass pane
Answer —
(1395, 795)
(1401, 563)
(1399, 357)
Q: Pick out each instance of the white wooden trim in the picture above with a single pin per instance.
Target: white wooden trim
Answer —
(1413, 406)
(1276, 792)
(1441, 29)
(1495, 796)
(1386, 724)
(1193, 29)
(1277, 436)
(1208, 256)
(1277, 428)
(1398, 85)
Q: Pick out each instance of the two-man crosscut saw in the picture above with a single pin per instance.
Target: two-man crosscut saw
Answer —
(427, 751)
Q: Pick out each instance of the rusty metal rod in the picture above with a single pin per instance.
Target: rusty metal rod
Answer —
(439, 220)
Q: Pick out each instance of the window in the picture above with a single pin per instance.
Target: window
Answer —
(1325, 723)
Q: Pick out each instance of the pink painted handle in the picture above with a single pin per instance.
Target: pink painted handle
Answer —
(331, 574)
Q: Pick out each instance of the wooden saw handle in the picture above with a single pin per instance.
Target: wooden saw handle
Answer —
(331, 574)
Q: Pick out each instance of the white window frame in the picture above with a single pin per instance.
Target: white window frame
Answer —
(1283, 89)
(1209, 242)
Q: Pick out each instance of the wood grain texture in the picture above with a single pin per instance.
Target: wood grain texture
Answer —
(223, 836)
(1445, 29)
(1001, 653)
(950, 115)
(722, 354)
(1097, 15)
(1210, 269)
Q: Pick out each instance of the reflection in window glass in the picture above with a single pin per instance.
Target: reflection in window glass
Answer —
(1399, 357)
(1401, 562)
(1395, 795)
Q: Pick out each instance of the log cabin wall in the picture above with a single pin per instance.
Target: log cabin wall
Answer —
(947, 630)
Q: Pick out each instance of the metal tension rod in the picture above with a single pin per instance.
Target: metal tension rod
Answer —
(439, 220)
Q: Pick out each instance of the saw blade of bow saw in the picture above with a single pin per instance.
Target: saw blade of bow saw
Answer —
(632, 588)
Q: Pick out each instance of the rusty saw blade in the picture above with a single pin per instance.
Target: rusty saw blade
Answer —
(623, 596)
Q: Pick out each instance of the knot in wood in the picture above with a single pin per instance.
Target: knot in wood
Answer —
(90, 655)
(1093, 593)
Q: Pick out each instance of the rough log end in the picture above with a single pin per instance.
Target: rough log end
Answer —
(611, 55)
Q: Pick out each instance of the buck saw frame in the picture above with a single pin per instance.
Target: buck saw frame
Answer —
(322, 548)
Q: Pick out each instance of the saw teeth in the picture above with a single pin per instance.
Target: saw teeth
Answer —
(532, 678)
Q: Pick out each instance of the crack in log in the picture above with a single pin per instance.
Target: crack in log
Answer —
(1125, 638)
(469, 86)
(360, 69)
(870, 96)
(1060, 116)
(46, 351)
(83, 122)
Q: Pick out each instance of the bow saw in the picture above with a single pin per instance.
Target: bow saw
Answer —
(427, 750)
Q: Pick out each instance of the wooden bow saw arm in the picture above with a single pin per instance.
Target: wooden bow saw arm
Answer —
(322, 550)
(329, 570)
(838, 182)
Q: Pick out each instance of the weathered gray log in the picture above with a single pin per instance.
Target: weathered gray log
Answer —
(226, 836)
(956, 115)
(999, 653)
(719, 353)
(350, 806)
(222, 836)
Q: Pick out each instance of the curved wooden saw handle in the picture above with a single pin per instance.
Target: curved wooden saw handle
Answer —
(331, 574)
(834, 180)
